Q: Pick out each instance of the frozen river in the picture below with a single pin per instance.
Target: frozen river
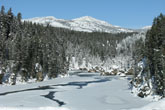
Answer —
(79, 91)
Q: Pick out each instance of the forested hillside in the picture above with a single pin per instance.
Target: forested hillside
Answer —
(31, 50)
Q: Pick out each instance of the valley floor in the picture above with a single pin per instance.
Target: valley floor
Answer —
(79, 91)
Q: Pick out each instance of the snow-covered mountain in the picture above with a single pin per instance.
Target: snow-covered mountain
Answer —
(86, 24)
(147, 27)
(143, 29)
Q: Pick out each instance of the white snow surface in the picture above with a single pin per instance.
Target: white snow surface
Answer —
(79, 91)
(85, 23)
(32, 108)
(159, 105)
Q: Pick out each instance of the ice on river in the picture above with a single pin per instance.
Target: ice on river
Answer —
(79, 91)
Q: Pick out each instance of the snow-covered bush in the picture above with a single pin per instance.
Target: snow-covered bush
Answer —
(39, 73)
(141, 83)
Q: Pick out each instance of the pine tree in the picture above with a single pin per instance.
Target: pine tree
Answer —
(154, 43)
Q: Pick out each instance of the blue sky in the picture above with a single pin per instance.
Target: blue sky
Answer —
(125, 13)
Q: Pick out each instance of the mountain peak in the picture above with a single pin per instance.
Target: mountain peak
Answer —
(86, 18)
(85, 23)
(49, 17)
(147, 27)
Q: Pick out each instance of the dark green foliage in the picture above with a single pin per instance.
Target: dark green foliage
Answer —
(155, 45)
(26, 44)
(153, 51)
